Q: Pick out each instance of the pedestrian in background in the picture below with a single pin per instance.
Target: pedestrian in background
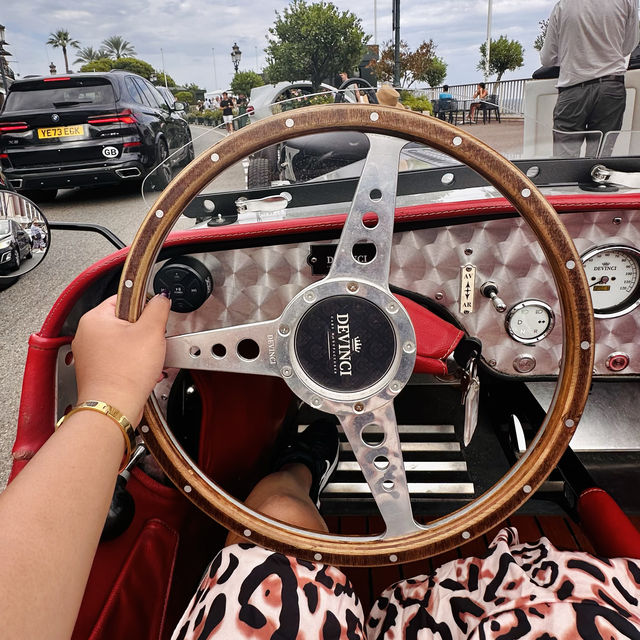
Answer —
(589, 40)
(226, 104)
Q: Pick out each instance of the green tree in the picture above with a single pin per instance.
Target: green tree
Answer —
(313, 42)
(159, 77)
(244, 81)
(421, 65)
(185, 96)
(117, 47)
(103, 64)
(61, 39)
(134, 65)
(504, 55)
(89, 54)
(539, 41)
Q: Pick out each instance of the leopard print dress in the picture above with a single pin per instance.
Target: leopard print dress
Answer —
(517, 591)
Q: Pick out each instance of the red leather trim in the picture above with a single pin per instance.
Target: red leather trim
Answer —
(436, 338)
(611, 532)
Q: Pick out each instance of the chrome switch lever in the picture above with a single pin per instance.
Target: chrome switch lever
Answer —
(470, 383)
(490, 290)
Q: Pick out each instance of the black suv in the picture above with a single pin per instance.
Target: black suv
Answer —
(88, 129)
(15, 245)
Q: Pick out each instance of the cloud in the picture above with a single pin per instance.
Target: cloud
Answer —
(188, 30)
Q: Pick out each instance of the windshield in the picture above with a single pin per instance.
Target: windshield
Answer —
(4, 227)
(60, 93)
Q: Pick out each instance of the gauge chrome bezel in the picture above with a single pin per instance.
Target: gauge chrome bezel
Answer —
(531, 302)
(624, 307)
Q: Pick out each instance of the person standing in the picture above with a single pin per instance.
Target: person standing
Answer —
(589, 41)
(226, 104)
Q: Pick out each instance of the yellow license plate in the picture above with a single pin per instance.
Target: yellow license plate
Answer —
(61, 132)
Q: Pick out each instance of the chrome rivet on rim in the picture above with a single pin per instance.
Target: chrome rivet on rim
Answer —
(309, 296)
(159, 213)
(394, 387)
(571, 264)
(392, 307)
(317, 556)
(215, 157)
(286, 372)
(247, 533)
(187, 488)
(144, 428)
(374, 116)
(527, 488)
(584, 345)
(283, 330)
(408, 347)
(393, 558)
(289, 122)
(466, 535)
(457, 141)
(316, 402)
(352, 287)
(569, 423)
(128, 284)
(526, 193)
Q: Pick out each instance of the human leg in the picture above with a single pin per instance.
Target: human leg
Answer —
(608, 112)
(570, 115)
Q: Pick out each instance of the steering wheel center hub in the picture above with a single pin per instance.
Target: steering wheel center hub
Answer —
(345, 343)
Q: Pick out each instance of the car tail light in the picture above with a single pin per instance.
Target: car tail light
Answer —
(57, 79)
(250, 109)
(10, 127)
(125, 116)
(132, 144)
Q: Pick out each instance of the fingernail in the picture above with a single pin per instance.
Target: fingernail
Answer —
(165, 293)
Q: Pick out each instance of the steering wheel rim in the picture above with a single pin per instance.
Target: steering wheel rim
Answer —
(573, 384)
(360, 83)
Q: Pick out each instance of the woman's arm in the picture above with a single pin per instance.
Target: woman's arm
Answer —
(52, 514)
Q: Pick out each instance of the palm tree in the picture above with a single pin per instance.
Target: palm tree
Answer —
(61, 39)
(89, 54)
(118, 47)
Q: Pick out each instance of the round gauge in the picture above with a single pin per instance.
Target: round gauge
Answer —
(613, 274)
(529, 321)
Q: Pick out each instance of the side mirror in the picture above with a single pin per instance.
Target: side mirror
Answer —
(179, 106)
(24, 235)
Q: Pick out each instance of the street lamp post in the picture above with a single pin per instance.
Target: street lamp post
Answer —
(236, 54)
(3, 53)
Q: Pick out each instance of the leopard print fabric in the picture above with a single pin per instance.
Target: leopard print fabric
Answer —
(517, 591)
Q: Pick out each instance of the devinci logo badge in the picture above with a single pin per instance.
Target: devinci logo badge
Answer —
(341, 345)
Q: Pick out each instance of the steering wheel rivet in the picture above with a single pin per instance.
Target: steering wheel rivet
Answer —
(187, 488)
(289, 122)
(392, 307)
(247, 533)
(144, 428)
(409, 347)
(128, 284)
(358, 407)
(571, 264)
(215, 157)
(316, 402)
(585, 345)
(526, 193)
(286, 372)
(569, 423)
(283, 330)
(352, 287)
(317, 557)
(394, 387)
(374, 116)
(457, 141)
(466, 535)
(527, 488)
(393, 558)
(310, 296)
(159, 213)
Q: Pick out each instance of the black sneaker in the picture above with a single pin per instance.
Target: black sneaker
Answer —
(317, 447)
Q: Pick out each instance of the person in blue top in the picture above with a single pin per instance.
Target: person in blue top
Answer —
(444, 95)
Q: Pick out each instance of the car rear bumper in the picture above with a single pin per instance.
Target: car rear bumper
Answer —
(63, 177)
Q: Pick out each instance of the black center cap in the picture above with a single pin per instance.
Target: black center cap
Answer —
(345, 343)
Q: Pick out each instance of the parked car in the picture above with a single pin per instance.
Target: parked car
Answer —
(88, 129)
(15, 245)
(171, 101)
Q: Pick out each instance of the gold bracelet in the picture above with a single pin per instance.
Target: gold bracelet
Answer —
(106, 409)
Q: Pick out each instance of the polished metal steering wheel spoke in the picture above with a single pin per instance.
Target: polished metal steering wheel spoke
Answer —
(247, 348)
(374, 438)
(372, 213)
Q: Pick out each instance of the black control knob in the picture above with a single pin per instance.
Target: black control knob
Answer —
(188, 282)
(490, 290)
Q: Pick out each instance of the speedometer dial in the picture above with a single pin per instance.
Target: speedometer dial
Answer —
(613, 274)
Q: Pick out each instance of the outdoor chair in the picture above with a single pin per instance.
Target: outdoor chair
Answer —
(448, 110)
(487, 106)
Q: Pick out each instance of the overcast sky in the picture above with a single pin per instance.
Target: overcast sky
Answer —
(194, 33)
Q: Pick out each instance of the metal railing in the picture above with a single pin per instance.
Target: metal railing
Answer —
(510, 94)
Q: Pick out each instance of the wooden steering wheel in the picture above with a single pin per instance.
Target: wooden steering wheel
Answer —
(350, 291)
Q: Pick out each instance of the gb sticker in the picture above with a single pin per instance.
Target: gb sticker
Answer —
(110, 152)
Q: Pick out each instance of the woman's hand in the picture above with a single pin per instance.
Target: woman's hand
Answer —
(119, 362)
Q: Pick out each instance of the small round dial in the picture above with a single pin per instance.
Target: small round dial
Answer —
(613, 274)
(529, 321)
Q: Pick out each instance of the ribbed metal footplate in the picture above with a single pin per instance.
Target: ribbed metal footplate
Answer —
(434, 463)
